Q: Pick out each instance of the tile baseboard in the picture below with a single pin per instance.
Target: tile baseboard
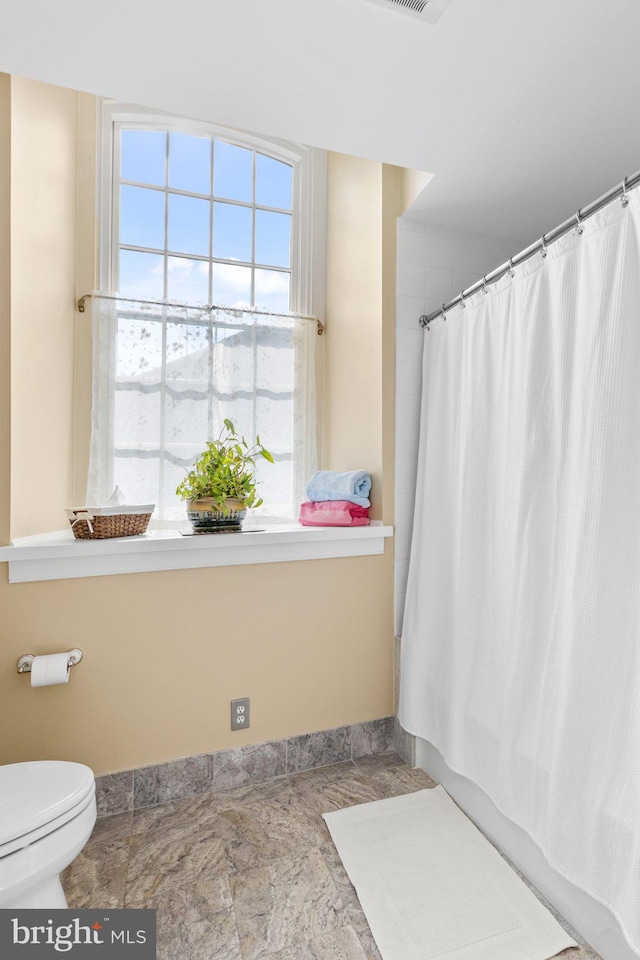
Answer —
(254, 763)
(404, 744)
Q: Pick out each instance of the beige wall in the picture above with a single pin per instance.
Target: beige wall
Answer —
(353, 348)
(391, 207)
(309, 642)
(364, 200)
(5, 307)
(43, 283)
(86, 282)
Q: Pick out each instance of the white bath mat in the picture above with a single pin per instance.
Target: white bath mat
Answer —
(432, 886)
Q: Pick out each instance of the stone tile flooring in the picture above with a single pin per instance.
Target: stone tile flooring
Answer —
(248, 874)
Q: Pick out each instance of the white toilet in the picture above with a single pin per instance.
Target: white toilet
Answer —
(47, 813)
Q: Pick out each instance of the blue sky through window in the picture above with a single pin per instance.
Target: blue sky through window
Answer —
(141, 217)
(273, 182)
(141, 275)
(188, 225)
(233, 172)
(175, 230)
(144, 156)
(273, 238)
(232, 227)
(190, 163)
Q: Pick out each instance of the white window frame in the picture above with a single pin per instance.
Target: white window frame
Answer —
(57, 556)
(308, 201)
(308, 229)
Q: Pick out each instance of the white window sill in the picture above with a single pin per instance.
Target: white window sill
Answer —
(58, 556)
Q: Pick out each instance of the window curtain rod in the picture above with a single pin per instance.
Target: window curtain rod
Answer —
(198, 306)
(573, 223)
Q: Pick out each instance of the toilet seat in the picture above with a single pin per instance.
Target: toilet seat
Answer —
(38, 797)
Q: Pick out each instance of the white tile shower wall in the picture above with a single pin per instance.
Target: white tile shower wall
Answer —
(434, 264)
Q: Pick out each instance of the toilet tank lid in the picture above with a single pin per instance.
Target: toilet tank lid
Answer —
(35, 793)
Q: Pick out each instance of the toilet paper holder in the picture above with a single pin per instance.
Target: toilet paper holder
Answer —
(26, 662)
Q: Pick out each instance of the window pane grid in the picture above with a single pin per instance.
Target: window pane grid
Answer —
(253, 247)
(166, 255)
(210, 278)
(204, 259)
(181, 217)
(180, 371)
(205, 196)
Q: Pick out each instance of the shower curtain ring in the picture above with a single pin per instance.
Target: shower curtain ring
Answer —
(543, 249)
(462, 301)
(624, 199)
(512, 272)
(444, 315)
(485, 289)
(579, 227)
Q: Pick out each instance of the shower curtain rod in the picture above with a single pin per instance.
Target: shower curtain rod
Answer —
(540, 245)
(198, 306)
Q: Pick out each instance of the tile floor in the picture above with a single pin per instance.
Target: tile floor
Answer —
(247, 874)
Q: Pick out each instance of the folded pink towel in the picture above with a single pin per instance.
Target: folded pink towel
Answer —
(333, 513)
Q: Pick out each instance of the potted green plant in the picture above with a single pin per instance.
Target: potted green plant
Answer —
(220, 487)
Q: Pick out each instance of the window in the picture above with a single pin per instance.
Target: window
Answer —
(203, 220)
(206, 246)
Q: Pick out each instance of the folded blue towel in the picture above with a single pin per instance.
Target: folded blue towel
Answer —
(353, 486)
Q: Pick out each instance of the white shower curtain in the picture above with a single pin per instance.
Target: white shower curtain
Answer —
(521, 637)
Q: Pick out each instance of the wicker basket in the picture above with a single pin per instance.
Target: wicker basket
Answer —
(105, 527)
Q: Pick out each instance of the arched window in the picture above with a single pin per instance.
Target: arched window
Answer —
(201, 228)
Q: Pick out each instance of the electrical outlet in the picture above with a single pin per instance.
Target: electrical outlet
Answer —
(240, 714)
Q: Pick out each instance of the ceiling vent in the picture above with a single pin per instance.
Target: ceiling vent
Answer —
(426, 10)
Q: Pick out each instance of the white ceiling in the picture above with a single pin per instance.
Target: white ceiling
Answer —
(523, 109)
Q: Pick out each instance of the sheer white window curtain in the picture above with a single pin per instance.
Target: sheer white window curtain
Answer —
(164, 379)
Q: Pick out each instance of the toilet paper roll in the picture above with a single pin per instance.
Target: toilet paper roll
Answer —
(49, 670)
